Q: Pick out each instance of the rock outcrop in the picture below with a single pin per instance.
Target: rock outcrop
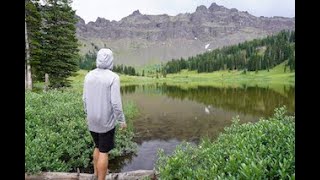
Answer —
(139, 32)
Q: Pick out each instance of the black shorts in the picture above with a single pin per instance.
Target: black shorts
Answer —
(104, 141)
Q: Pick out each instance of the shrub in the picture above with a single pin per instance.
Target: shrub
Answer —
(56, 134)
(261, 150)
(124, 139)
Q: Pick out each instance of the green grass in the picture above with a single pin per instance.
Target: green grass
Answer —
(150, 67)
(275, 79)
(233, 78)
(261, 150)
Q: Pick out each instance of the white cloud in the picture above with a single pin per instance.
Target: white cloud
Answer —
(89, 10)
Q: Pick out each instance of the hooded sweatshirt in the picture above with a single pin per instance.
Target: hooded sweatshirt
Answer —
(101, 95)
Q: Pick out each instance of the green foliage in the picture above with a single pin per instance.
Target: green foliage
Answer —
(128, 70)
(52, 38)
(56, 134)
(124, 138)
(262, 150)
(33, 21)
(258, 54)
(60, 45)
(88, 62)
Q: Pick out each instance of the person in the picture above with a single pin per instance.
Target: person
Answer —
(103, 108)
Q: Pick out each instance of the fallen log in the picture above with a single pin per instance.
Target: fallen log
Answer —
(130, 175)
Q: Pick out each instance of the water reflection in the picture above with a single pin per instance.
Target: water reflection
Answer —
(145, 157)
(246, 100)
(172, 114)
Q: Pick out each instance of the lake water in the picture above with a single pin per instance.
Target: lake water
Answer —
(172, 114)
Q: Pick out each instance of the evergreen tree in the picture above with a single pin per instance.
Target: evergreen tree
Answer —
(252, 55)
(121, 69)
(133, 71)
(88, 61)
(125, 70)
(59, 45)
(33, 34)
(164, 71)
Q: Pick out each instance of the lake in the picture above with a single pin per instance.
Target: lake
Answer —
(170, 115)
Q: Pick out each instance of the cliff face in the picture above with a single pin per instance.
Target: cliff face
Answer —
(140, 38)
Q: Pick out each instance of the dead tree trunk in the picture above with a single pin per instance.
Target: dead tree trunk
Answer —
(46, 82)
(28, 78)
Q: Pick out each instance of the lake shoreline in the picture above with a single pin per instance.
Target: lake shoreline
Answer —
(225, 78)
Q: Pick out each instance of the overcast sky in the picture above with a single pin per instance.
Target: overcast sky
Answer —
(89, 10)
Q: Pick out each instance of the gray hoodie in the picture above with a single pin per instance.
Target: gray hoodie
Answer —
(101, 95)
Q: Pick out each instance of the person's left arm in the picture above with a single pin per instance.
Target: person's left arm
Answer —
(116, 102)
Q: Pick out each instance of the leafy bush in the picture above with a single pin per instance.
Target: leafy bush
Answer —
(261, 150)
(56, 134)
(124, 139)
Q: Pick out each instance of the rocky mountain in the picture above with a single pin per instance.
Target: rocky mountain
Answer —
(142, 39)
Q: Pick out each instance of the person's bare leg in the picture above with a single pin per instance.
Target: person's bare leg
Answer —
(95, 161)
(102, 165)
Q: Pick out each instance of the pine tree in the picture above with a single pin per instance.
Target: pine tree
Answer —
(60, 47)
(133, 73)
(33, 39)
(121, 69)
(125, 70)
(244, 56)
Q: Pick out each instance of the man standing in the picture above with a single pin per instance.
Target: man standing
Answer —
(103, 107)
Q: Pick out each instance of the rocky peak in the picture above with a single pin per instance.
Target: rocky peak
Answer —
(138, 35)
(205, 23)
(102, 22)
(135, 18)
(216, 7)
(201, 8)
(135, 13)
(80, 20)
(234, 10)
(81, 24)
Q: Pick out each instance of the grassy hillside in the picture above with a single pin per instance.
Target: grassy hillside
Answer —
(139, 52)
(275, 79)
(235, 78)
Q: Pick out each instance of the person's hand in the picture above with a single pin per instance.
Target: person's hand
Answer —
(123, 126)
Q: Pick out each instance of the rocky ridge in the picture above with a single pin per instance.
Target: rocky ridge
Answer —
(142, 39)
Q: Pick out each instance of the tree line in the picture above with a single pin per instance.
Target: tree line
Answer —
(51, 43)
(88, 62)
(258, 54)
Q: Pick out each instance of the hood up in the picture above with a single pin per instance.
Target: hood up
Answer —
(104, 59)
